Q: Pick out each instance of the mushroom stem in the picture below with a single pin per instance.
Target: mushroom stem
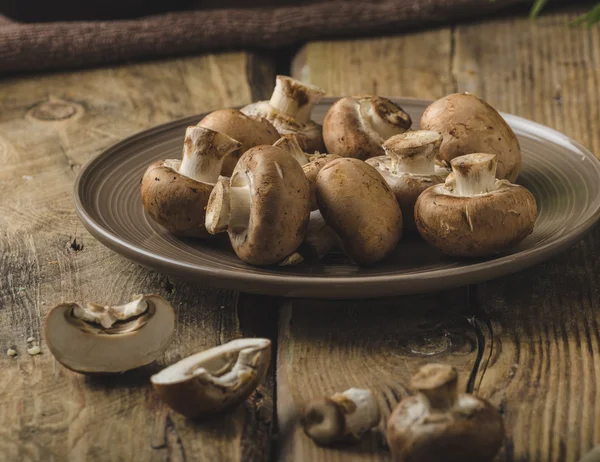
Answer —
(413, 152)
(228, 208)
(347, 414)
(240, 201)
(437, 384)
(294, 98)
(289, 143)
(364, 410)
(218, 209)
(203, 153)
(474, 174)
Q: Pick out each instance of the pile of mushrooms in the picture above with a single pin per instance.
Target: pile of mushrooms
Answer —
(285, 189)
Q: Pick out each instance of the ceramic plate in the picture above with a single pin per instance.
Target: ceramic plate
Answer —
(563, 176)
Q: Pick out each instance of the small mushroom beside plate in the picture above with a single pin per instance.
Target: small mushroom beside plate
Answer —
(214, 380)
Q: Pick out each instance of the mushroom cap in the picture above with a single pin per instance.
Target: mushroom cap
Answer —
(280, 207)
(309, 135)
(472, 431)
(406, 187)
(249, 131)
(311, 170)
(475, 226)
(360, 207)
(175, 201)
(216, 379)
(345, 131)
(89, 348)
(470, 125)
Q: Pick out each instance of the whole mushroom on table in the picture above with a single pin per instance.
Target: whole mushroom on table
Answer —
(288, 190)
(438, 424)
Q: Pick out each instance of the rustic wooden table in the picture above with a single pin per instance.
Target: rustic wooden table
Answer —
(530, 342)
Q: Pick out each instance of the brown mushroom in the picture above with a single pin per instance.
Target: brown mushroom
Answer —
(357, 126)
(110, 339)
(473, 214)
(342, 416)
(249, 131)
(289, 110)
(409, 168)
(264, 207)
(360, 208)
(289, 143)
(592, 456)
(175, 192)
(319, 240)
(312, 169)
(214, 380)
(470, 125)
(440, 425)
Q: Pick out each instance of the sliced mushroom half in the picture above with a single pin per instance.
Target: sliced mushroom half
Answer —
(214, 380)
(109, 339)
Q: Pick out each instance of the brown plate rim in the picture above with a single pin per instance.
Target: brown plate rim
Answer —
(309, 286)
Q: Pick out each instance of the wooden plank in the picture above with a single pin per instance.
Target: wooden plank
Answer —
(413, 65)
(537, 331)
(49, 125)
(541, 366)
(326, 347)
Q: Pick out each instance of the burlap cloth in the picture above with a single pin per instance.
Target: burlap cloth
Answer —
(217, 26)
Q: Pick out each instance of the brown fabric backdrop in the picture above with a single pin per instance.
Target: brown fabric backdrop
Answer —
(217, 25)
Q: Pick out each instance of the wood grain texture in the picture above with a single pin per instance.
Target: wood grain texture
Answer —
(413, 65)
(542, 361)
(49, 126)
(537, 339)
(328, 347)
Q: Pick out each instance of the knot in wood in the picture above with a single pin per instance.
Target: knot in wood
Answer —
(53, 109)
(429, 343)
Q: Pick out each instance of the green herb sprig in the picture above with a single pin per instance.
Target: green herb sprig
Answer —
(589, 19)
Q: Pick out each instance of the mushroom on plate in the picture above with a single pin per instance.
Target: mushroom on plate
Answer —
(110, 339)
(319, 240)
(264, 207)
(409, 168)
(342, 416)
(289, 110)
(470, 125)
(360, 208)
(175, 192)
(440, 425)
(472, 214)
(357, 126)
(249, 131)
(290, 144)
(214, 380)
(312, 169)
